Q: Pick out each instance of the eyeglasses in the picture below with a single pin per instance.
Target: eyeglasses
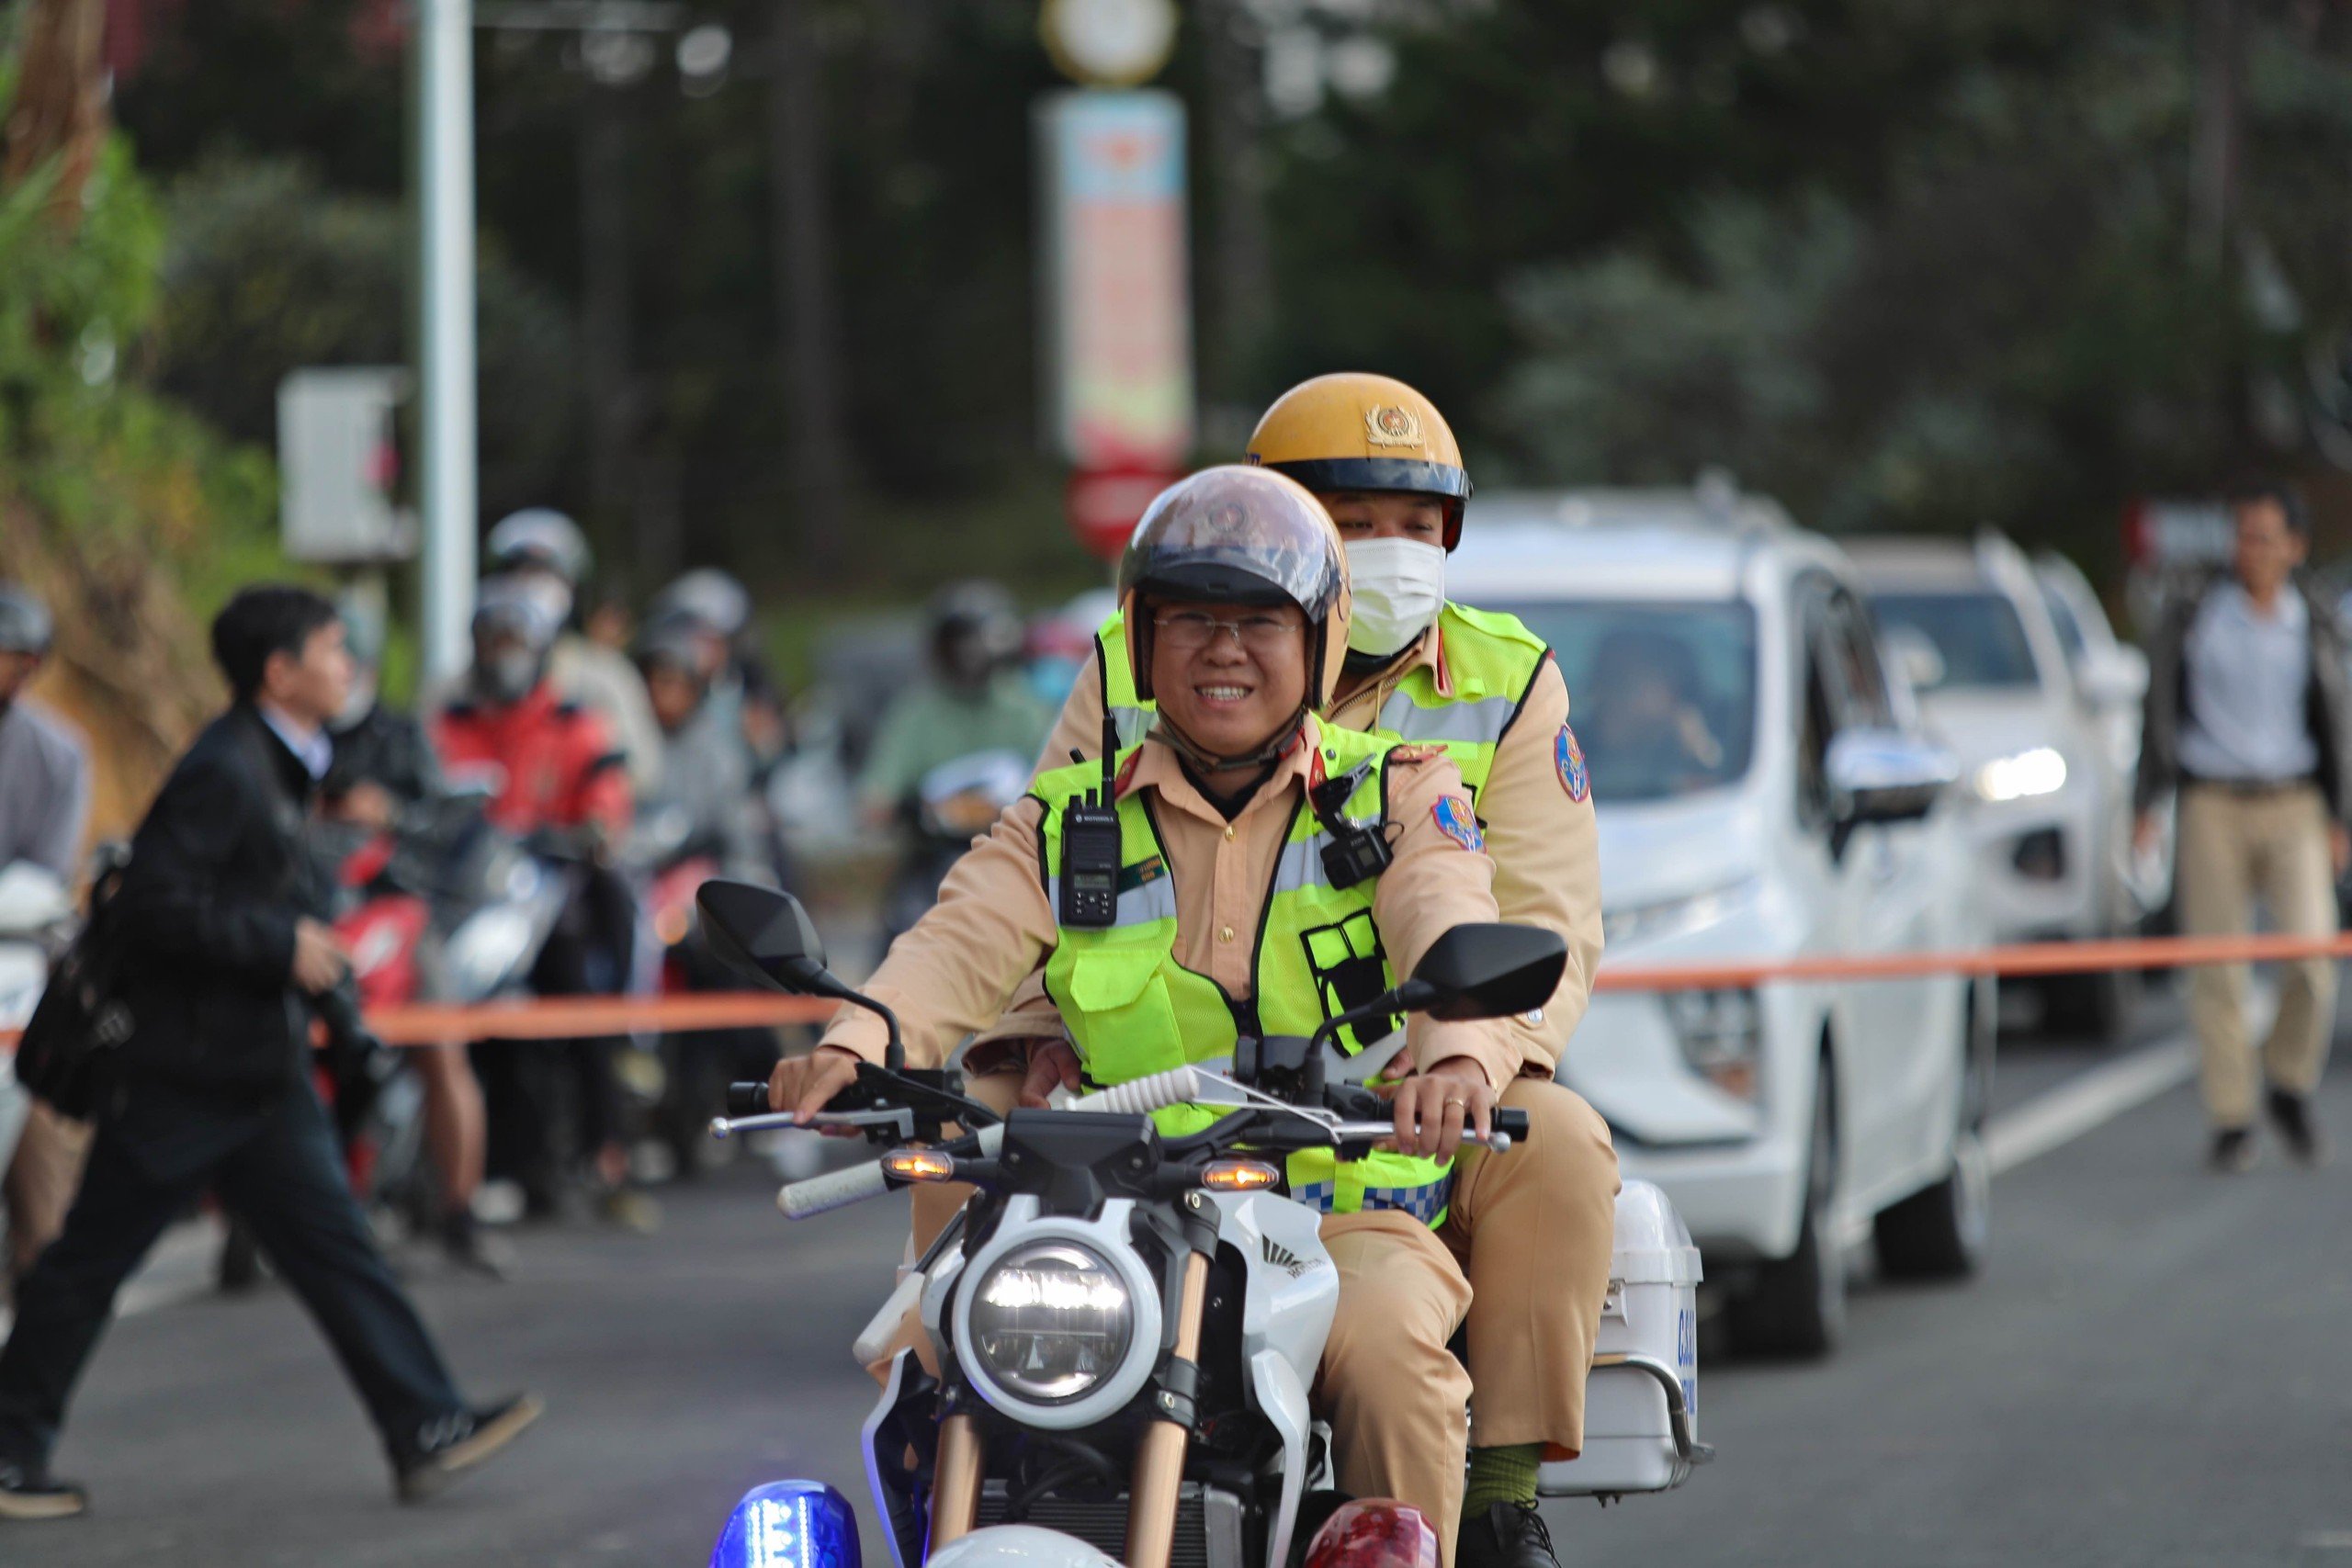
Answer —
(1189, 631)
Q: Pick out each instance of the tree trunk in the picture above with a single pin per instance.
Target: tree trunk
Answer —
(61, 108)
(608, 285)
(807, 307)
(1242, 264)
(2213, 165)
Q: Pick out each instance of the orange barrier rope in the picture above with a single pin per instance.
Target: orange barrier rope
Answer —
(566, 1017)
(571, 1018)
(2021, 959)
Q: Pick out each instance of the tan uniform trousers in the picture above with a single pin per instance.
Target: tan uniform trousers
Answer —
(41, 1180)
(2234, 848)
(1531, 1295)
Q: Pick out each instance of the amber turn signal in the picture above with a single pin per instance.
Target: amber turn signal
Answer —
(1239, 1175)
(918, 1165)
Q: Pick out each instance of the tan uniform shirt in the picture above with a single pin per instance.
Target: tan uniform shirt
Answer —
(1544, 844)
(994, 924)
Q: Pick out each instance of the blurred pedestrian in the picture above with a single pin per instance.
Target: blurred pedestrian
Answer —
(384, 769)
(2249, 717)
(705, 786)
(976, 699)
(557, 781)
(226, 961)
(541, 542)
(44, 807)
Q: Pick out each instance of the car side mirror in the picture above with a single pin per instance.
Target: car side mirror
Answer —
(1886, 776)
(765, 935)
(1918, 659)
(2112, 677)
(1487, 971)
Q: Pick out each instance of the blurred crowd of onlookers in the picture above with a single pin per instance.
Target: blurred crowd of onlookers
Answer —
(536, 824)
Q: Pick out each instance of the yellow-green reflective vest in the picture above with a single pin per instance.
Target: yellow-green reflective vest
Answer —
(1492, 660)
(1133, 1011)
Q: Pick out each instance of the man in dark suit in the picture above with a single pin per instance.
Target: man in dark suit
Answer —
(226, 963)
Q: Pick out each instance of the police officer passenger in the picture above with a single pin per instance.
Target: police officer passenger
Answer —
(1422, 668)
(1236, 594)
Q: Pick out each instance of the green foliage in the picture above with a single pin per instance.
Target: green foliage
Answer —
(94, 462)
(1905, 265)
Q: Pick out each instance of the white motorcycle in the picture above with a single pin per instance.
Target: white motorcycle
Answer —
(36, 911)
(1128, 1324)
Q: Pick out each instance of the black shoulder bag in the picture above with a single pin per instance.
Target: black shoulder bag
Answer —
(79, 1023)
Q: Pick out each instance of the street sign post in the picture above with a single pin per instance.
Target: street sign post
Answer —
(1116, 298)
(338, 460)
(1105, 505)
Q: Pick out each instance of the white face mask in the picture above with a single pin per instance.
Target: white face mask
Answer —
(1398, 586)
(355, 707)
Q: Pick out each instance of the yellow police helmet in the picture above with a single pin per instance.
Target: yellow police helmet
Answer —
(1357, 431)
(1238, 535)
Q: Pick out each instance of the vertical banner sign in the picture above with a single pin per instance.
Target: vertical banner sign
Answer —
(1116, 295)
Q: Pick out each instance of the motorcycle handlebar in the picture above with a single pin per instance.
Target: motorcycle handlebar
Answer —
(1511, 1124)
(747, 1098)
(834, 1189)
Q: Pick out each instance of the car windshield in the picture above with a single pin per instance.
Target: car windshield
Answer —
(1978, 634)
(1665, 692)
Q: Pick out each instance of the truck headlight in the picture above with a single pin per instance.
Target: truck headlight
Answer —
(2041, 771)
(1050, 1321)
(1722, 1036)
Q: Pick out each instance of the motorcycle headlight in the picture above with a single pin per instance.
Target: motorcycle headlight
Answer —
(486, 950)
(1050, 1321)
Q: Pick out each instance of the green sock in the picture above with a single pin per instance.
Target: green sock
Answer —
(1504, 1474)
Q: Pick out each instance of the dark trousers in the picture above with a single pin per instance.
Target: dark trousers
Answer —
(283, 1176)
(524, 1082)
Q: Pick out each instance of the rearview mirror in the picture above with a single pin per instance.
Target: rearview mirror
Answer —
(1489, 971)
(766, 935)
(1886, 776)
(1919, 659)
(2112, 677)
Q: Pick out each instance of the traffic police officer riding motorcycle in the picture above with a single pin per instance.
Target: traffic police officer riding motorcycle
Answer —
(1421, 669)
(1254, 873)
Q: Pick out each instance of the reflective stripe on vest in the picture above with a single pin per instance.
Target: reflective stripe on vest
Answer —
(1491, 660)
(1132, 714)
(1133, 1009)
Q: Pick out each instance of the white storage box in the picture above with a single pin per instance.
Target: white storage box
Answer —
(1641, 1407)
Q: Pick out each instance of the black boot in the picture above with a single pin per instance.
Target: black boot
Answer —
(2292, 1115)
(1507, 1535)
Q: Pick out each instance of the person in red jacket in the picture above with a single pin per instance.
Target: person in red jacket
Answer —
(557, 781)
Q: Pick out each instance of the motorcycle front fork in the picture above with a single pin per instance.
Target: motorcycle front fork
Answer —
(1159, 1456)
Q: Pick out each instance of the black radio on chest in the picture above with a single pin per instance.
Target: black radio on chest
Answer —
(1090, 848)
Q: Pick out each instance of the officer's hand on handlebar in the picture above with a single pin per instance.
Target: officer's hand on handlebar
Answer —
(803, 1085)
(1051, 1062)
(1432, 1108)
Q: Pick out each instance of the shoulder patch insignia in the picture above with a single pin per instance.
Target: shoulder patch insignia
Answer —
(1575, 777)
(1126, 773)
(1457, 821)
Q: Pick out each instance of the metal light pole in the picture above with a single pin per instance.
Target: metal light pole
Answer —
(445, 172)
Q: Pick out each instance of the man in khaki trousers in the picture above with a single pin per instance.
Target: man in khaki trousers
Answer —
(2247, 719)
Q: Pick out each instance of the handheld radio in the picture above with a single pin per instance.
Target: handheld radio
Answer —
(1090, 891)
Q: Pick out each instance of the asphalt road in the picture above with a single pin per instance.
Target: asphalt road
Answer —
(2153, 1370)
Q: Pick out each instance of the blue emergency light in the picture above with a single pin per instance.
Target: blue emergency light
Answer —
(788, 1523)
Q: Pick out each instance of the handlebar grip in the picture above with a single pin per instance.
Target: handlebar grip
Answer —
(1512, 1122)
(747, 1100)
(834, 1189)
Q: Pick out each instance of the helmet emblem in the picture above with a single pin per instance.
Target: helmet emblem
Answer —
(1392, 424)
